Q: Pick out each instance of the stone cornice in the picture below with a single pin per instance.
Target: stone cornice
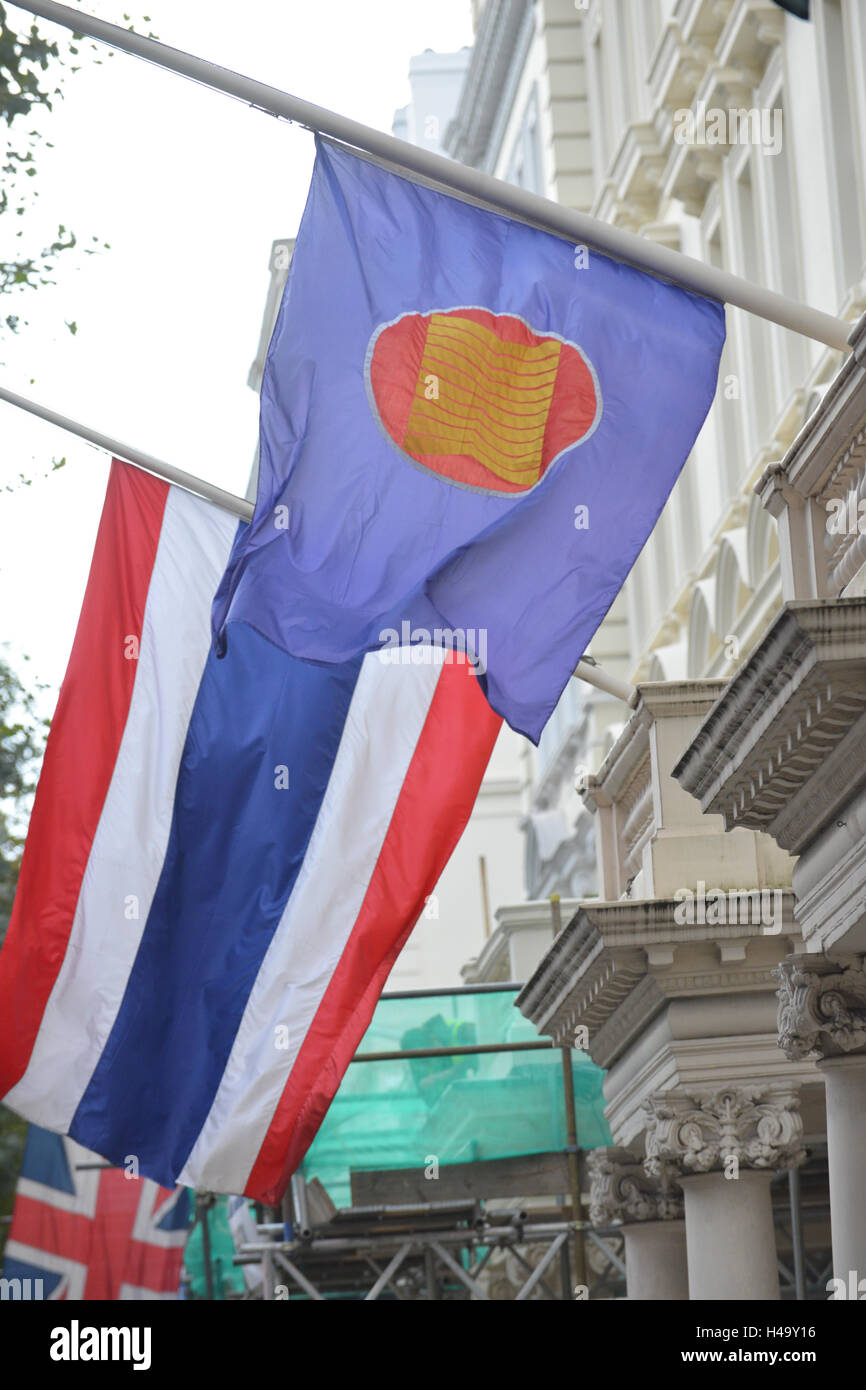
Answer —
(822, 1006)
(628, 1022)
(579, 962)
(779, 725)
(608, 949)
(669, 698)
(702, 1132)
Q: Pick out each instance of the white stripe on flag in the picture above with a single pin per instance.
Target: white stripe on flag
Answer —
(130, 843)
(387, 713)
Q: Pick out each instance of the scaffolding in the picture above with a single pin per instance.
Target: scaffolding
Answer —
(450, 1089)
(452, 1092)
(431, 1251)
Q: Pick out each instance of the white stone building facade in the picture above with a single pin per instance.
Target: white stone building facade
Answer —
(718, 974)
(708, 840)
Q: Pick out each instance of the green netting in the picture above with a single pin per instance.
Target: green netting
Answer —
(402, 1114)
(227, 1277)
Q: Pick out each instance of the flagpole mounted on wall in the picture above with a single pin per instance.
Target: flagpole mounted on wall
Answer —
(239, 506)
(467, 182)
(590, 671)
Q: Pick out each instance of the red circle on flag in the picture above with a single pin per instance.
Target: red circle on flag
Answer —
(480, 399)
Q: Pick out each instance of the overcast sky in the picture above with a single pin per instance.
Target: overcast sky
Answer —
(190, 188)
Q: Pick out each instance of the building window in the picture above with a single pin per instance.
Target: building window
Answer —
(601, 115)
(727, 410)
(845, 175)
(646, 29)
(525, 167)
(758, 388)
(783, 231)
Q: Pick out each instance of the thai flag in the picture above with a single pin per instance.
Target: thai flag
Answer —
(224, 860)
(83, 1231)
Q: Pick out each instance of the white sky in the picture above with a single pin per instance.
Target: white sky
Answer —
(190, 188)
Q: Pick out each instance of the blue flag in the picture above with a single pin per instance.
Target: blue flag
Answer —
(468, 430)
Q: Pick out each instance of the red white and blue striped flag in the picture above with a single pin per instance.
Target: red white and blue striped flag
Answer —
(224, 860)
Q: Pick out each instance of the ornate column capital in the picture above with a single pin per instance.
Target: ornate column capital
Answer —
(700, 1132)
(822, 1006)
(621, 1191)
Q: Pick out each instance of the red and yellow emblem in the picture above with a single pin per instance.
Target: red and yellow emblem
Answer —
(480, 398)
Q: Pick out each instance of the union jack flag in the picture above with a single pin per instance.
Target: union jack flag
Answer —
(90, 1232)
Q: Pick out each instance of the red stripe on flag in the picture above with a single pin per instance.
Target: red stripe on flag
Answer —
(79, 759)
(434, 804)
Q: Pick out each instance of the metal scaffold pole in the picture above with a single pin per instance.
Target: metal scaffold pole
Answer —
(572, 1151)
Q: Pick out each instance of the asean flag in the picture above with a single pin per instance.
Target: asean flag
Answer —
(468, 430)
(223, 862)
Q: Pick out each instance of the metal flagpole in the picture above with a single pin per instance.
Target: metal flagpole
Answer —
(227, 500)
(589, 670)
(463, 180)
(586, 670)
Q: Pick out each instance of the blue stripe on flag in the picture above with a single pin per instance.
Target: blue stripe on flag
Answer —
(236, 847)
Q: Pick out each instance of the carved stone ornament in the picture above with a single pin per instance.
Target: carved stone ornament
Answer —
(700, 1133)
(822, 1006)
(621, 1191)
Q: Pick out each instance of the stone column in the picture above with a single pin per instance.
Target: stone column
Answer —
(845, 1079)
(650, 1214)
(730, 1237)
(822, 1014)
(655, 1260)
(722, 1148)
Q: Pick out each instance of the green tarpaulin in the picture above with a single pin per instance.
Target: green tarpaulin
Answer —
(400, 1114)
